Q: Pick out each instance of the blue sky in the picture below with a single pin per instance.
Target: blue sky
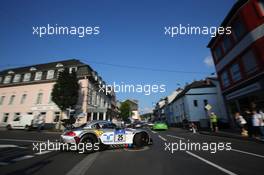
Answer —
(131, 34)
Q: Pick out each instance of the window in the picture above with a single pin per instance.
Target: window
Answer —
(205, 102)
(38, 75)
(195, 103)
(11, 100)
(235, 71)
(5, 117)
(59, 71)
(218, 52)
(225, 79)
(33, 69)
(7, 79)
(23, 98)
(59, 65)
(17, 78)
(261, 5)
(56, 116)
(39, 98)
(73, 69)
(27, 77)
(238, 29)
(2, 100)
(249, 61)
(17, 116)
(227, 44)
(50, 74)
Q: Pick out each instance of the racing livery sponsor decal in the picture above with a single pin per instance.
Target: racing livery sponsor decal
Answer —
(120, 135)
(107, 137)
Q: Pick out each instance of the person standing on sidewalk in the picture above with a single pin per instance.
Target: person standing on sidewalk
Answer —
(249, 126)
(213, 121)
(241, 122)
(256, 121)
(261, 113)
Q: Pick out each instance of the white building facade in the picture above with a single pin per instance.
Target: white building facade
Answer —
(190, 104)
(27, 91)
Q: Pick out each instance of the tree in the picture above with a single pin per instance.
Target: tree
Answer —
(125, 111)
(65, 91)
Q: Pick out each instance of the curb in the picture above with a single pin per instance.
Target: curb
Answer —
(231, 136)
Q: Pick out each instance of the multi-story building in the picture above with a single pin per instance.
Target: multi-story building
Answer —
(27, 90)
(168, 108)
(239, 57)
(189, 104)
(159, 110)
(134, 109)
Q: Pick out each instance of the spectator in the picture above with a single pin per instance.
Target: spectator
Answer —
(256, 122)
(241, 122)
(261, 123)
(213, 120)
(248, 117)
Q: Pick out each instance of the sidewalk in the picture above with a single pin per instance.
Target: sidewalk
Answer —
(230, 134)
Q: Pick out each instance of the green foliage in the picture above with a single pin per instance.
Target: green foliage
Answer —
(125, 111)
(66, 90)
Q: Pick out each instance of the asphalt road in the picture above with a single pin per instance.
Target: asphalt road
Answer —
(18, 157)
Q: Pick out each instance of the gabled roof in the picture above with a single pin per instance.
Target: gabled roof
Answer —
(194, 85)
(46, 66)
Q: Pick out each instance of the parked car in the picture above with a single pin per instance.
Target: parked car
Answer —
(160, 125)
(21, 122)
(106, 133)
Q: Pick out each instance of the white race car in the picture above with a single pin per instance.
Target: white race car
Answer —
(105, 133)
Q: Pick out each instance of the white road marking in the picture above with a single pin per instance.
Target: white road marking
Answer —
(22, 158)
(11, 146)
(154, 132)
(211, 163)
(3, 163)
(245, 152)
(162, 138)
(19, 140)
(83, 165)
(43, 152)
(181, 138)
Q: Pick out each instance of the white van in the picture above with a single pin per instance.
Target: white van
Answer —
(21, 122)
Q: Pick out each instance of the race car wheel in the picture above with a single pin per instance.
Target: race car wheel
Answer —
(141, 139)
(88, 139)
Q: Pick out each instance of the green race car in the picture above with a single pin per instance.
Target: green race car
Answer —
(160, 126)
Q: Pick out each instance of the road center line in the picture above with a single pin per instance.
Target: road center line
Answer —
(19, 140)
(83, 165)
(154, 132)
(181, 138)
(22, 158)
(211, 163)
(11, 146)
(245, 152)
(43, 152)
(3, 163)
(162, 138)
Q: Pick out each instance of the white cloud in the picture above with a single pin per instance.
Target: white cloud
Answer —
(208, 61)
